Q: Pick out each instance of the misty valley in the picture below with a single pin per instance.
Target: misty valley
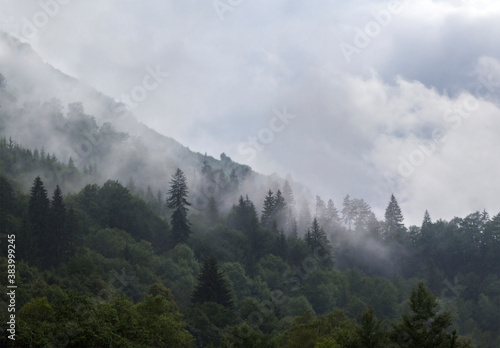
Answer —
(113, 235)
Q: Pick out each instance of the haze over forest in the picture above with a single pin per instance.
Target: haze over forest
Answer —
(361, 112)
(250, 174)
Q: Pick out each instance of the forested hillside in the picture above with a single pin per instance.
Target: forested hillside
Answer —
(119, 243)
(112, 265)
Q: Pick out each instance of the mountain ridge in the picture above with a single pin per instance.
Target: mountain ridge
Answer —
(144, 155)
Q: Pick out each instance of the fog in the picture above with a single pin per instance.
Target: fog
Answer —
(362, 98)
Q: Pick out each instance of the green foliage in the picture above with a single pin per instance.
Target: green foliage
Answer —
(245, 336)
(372, 332)
(212, 285)
(76, 321)
(36, 320)
(334, 330)
(119, 248)
(160, 324)
(424, 327)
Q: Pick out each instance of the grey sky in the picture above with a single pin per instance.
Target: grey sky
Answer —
(358, 125)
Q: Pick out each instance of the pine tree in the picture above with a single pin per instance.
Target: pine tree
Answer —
(177, 202)
(424, 327)
(427, 222)
(39, 213)
(212, 286)
(245, 219)
(394, 221)
(372, 332)
(57, 228)
(316, 237)
(268, 212)
(281, 245)
(280, 210)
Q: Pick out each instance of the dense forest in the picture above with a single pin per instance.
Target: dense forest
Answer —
(197, 261)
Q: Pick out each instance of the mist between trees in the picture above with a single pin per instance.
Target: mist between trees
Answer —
(210, 252)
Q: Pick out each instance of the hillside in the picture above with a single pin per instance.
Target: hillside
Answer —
(44, 108)
(125, 238)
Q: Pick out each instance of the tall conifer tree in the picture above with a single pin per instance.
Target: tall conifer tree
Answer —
(394, 220)
(177, 202)
(39, 213)
(58, 226)
(212, 286)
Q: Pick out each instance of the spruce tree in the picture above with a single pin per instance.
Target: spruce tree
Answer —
(280, 210)
(268, 212)
(425, 327)
(212, 286)
(246, 220)
(394, 220)
(58, 228)
(372, 332)
(39, 214)
(281, 245)
(427, 222)
(177, 202)
(316, 236)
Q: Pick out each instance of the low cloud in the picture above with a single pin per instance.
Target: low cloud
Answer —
(355, 122)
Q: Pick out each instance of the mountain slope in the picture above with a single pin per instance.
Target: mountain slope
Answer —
(43, 108)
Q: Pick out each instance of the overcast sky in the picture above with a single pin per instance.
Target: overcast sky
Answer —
(365, 98)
